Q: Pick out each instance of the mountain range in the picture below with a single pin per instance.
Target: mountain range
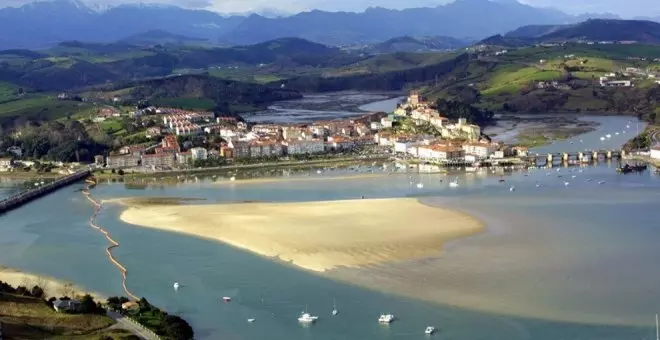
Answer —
(44, 24)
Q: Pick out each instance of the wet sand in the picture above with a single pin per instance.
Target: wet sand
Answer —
(318, 236)
(316, 177)
(51, 286)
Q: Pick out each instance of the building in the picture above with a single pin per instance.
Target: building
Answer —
(154, 132)
(184, 158)
(226, 152)
(520, 151)
(122, 161)
(298, 147)
(655, 152)
(481, 150)
(170, 142)
(99, 160)
(241, 148)
(135, 150)
(6, 163)
(158, 160)
(199, 153)
(63, 306)
(341, 143)
(444, 153)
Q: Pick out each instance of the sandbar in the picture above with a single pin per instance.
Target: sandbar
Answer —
(298, 178)
(51, 286)
(318, 236)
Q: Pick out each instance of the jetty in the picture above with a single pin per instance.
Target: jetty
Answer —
(26, 196)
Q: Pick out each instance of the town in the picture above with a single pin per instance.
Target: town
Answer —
(184, 139)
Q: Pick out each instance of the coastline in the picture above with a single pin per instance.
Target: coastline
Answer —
(317, 236)
(50, 285)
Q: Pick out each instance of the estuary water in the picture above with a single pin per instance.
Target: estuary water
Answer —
(557, 261)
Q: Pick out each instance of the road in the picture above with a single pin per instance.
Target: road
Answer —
(123, 323)
(655, 138)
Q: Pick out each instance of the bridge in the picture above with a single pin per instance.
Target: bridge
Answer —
(23, 197)
(587, 156)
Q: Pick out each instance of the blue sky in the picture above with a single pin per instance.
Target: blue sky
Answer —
(626, 8)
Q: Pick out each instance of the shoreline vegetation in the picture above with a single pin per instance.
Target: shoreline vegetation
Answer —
(347, 233)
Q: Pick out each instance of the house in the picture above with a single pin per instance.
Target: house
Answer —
(199, 153)
(154, 132)
(443, 152)
(227, 152)
(498, 154)
(63, 306)
(170, 141)
(122, 161)
(481, 150)
(655, 152)
(520, 151)
(6, 163)
(402, 145)
(341, 143)
(99, 160)
(135, 150)
(130, 305)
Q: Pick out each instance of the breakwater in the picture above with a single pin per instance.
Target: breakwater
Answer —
(90, 183)
(26, 196)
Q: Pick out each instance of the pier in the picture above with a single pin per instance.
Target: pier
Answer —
(23, 197)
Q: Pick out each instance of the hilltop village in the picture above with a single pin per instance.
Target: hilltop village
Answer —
(414, 130)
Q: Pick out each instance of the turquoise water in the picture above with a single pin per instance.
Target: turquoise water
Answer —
(584, 253)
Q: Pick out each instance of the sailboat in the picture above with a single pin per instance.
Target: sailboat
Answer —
(334, 307)
(454, 183)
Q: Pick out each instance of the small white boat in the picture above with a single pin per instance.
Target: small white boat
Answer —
(608, 136)
(589, 179)
(538, 185)
(573, 176)
(250, 320)
(512, 188)
(334, 307)
(226, 298)
(176, 286)
(602, 138)
(429, 330)
(566, 184)
(232, 178)
(386, 318)
(319, 171)
(307, 318)
(420, 186)
(601, 182)
(616, 133)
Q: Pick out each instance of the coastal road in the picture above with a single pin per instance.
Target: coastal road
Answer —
(655, 138)
(123, 323)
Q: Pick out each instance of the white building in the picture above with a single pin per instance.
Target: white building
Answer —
(199, 153)
(655, 152)
(402, 146)
(297, 147)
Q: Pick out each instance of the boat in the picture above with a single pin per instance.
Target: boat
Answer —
(420, 185)
(602, 138)
(226, 298)
(250, 320)
(566, 184)
(601, 182)
(319, 171)
(307, 318)
(627, 168)
(176, 285)
(512, 188)
(538, 185)
(429, 330)
(334, 307)
(232, 178)
(608, 136)
(616, 133)
(386, 318)
(454, 183)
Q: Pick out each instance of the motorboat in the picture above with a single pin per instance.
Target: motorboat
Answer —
(601, 182)
(386, 318)
(232, 178)
(454, 183)
(420, 186)
(608, 136)
(566, 184)
(250, 320)
(226, 298)
(307, 318)
(334, 307)
(602, 139)
(319, 171)
(176, 285)
(429, 330)
(512, 188)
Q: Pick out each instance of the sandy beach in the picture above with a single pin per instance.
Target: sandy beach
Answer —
(317, 236)
(51, 286)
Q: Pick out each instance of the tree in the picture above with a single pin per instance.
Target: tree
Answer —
(120, 172)
(177, 328)
(37, 292)
(88, 306)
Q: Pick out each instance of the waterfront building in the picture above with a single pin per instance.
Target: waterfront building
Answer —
(122, 161)
(158, 160)
(135, 150)
(184, 158)
(297, 147)
(241, 149)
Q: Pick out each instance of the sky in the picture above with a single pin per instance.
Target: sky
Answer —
(624, 8)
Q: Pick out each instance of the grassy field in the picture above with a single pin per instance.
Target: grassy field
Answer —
(511, 78)
(30, 318)
(41, 107)
(6, 91)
